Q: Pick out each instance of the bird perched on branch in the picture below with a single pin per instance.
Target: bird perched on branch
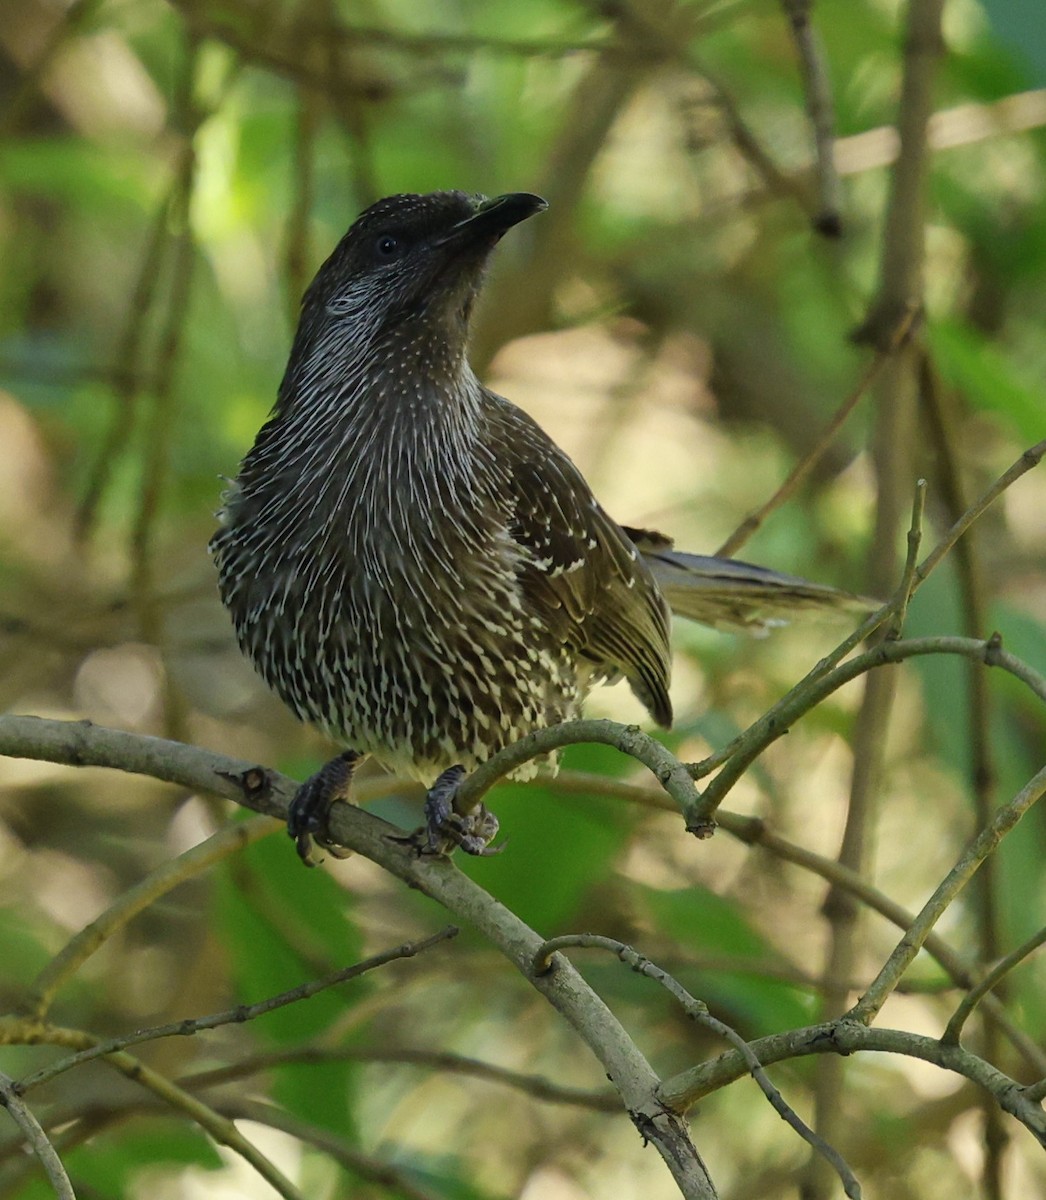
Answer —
(411, 563)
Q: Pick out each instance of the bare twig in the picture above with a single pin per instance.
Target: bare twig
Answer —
(129, 904)
(802, 469)
(821, 111)
(975, 995)
(908, 947)
(847, 1037)
(814, 688)
(629, 739)
(907, 584)
(14, 1030)
(1027, 461)
(698, 1012)
(36, 1139)
(629, 1071)
(536, 1086)
(737, 754)
(238, 1015)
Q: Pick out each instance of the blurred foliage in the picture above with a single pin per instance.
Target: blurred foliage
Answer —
(170, 176)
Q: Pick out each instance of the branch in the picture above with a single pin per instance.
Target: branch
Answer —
(232, 1016)
(456, 1064)
(846, 1037)
(975, 995)
(21, 1031)
(37, 1140)
(908, 947)
(1027, 461)
(80, 743)
(802, 469)
(698, 1012)
(815, 688)
(629, 739)
(821, 112)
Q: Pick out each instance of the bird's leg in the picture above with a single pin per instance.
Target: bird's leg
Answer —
(446, 828)
(309, 811)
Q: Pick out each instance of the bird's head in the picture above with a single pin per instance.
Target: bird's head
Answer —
(408, 266)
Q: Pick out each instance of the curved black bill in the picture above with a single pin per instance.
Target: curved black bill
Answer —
(495, 217)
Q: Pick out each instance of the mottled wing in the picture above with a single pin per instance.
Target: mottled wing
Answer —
(579, 571)
(730, 594)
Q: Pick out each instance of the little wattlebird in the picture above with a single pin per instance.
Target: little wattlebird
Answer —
(409, 560)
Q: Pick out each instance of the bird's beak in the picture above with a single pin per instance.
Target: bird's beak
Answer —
(493, 218)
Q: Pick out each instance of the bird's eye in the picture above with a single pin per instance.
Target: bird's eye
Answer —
(387, 246)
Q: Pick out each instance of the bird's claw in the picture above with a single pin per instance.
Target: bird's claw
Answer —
(472, 832)
(446, 829)
(308, 815)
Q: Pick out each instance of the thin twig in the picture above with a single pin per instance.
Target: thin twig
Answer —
(629, 739)
(1027, 461)
(908, 947)
(167, 876)
(821, 111)
(536, 1086)
(815, 688)
(770, 722)
(36, 1139)
(802, 469)
(907, 584)
(232, 1016)
(23, 1031)
(975, 995)
(698, 1012)
(846, 1037)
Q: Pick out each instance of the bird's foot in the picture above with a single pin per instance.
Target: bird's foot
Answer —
(446, 829)
(309, 812)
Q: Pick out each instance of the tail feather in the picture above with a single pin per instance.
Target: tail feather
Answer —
(730, 594)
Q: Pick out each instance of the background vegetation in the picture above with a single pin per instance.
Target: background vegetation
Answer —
(683, 321)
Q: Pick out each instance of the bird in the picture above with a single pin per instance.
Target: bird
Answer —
(412, 564)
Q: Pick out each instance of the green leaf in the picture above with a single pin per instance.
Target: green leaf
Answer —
(987, 376)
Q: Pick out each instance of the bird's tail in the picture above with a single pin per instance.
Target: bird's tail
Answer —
(737, 595)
